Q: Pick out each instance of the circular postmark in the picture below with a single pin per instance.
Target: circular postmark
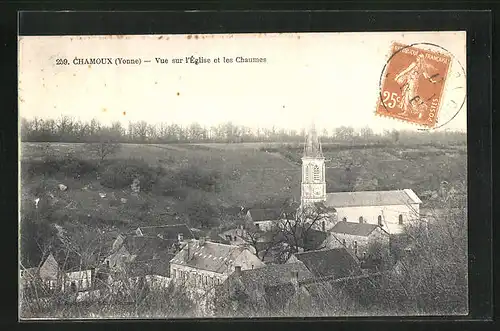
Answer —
(421, 83)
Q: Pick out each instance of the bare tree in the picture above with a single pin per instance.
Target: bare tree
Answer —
(297, 228)
(263, 243)
(105, 146)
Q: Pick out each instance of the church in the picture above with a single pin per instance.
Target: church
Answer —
(391, 210)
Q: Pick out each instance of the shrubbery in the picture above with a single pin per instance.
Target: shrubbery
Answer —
(199, 178)
(50, 165)
(121, 175)
(156, 179)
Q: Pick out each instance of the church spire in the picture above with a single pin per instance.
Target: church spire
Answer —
(312, 147)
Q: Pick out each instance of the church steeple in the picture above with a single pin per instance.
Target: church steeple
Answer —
(312, 147)
(313, 188)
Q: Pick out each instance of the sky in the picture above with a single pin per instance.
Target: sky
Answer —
(331, 79)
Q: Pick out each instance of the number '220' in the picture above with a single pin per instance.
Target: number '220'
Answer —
(62, 62)
(390, 99)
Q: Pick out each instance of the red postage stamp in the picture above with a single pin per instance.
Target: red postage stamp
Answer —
(412, 84)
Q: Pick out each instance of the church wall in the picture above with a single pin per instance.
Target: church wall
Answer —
(390, 215)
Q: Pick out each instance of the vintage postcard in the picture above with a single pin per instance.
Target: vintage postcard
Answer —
(243, 175)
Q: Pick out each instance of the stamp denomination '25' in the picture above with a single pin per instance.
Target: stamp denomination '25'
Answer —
(412, 85)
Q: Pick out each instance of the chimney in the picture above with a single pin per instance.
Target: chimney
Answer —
(237, 271)
(188, 252)
(295, 279)
(180, 237)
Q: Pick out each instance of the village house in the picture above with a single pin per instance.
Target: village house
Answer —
(290, 289)
(142, 255)
(267, 218)
(357, 237)
(264, 219)
(236, 236)
(332, 263)
(47, 275)
(389, 209)
(62, 271)
(253, 290)
(202, 264)
(80, 280)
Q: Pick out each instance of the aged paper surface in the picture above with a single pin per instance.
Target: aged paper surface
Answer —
(291, 174)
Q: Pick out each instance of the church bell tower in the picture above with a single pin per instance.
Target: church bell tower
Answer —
(313, 188)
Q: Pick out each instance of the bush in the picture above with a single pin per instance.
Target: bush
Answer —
(120, 175)
(199, 178)
(166, 186)
(50, 165)
(201, 212)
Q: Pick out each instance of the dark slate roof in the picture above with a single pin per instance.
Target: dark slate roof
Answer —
(335, 263)
(315, 239)
(147, 248)
(371, 198)
(265, 214)
(323, 208)
(274, 274)
(355, 229)
(157, 266)
(167, 232)
(210, 256)
(308, 238)
(270, 214)
(210, 235)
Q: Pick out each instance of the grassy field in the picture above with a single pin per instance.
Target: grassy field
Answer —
(250, 175)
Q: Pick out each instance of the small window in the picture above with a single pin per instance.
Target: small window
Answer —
(355, 244)
(380, 220)
(257, 225)
(323, 226)
(400, 219)
(360, 219)
(343, 242)
(344, 219)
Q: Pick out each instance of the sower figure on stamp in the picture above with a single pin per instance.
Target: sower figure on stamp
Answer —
(408, 79)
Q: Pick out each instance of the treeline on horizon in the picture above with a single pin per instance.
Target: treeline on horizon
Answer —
(69, 130)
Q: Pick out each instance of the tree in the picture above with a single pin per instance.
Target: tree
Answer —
(366, 133)
(344, 133)
(105, 146)
(431, 272)
(395, 135)
(263, 243)
(200, 211)
(297, 228)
